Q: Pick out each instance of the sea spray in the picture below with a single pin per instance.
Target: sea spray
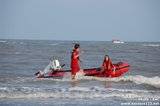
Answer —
(138, 79)
(75, 92)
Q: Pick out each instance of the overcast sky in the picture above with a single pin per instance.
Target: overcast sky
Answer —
(128, 20)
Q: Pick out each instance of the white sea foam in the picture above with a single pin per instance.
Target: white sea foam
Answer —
(75, 92)
(138, 79)
(84, 89)
(85, 92)
(3, 41)
(54, 44)
(21, 43)
(17, 53)
(151, 45)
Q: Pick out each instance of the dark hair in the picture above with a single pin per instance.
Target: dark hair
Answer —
(106, 56)
(76, 46)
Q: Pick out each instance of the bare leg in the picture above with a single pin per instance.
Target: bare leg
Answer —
(73, 77)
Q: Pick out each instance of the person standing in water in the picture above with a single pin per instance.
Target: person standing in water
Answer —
(75, 61)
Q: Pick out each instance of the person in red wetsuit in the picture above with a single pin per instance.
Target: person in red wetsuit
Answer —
(75, 61)
(107, 67)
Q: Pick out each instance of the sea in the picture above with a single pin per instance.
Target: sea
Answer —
(21, 59)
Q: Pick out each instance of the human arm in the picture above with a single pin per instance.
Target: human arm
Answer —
(75, 55)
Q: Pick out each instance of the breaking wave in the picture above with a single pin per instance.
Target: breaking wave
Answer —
(3, 41)
(80, 92)
(151, 45)
(138, 79)
(75, 92)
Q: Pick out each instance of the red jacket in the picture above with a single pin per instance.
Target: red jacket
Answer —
(75, 66)
(107, 66)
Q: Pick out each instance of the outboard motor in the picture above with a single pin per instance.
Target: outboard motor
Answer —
(55, 65)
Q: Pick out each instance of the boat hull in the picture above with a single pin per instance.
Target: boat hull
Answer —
(121, 68)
